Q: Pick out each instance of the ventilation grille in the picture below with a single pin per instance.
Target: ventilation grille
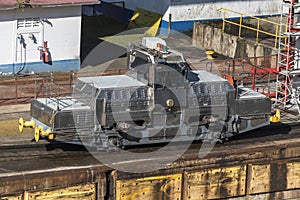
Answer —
(28, 23)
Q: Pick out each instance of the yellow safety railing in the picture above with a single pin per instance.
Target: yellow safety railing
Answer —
(258, 29)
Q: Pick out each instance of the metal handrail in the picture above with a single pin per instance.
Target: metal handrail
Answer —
(258, 30)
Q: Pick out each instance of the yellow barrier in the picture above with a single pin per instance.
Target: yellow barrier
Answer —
(258, 29)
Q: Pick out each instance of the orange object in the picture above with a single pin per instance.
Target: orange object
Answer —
(46, 54)
(230, 79)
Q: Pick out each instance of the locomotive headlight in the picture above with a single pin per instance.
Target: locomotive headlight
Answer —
(170, 103)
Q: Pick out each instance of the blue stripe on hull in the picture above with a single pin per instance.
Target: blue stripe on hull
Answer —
(188, 25)
(39, 67)
(177, 26)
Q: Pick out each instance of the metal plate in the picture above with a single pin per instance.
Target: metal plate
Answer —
(156, 187)
(215, 183)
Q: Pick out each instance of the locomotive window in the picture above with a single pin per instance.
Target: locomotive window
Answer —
(77, 87)
(86, 94)
(64, 120)
(41, 112)
(79, 84)
(142, 74)
(174, 58)
(191, 76)
(140, 64)
(180, 67)
(87, 88)
(138, 61)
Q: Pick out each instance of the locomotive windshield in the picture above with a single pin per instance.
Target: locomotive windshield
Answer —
(174, 58)
(169, 69)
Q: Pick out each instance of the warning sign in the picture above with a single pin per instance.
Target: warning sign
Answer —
(144, 18)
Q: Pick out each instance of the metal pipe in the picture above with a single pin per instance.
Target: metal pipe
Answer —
(16, 90)
(169, 25)
(257, 31)
(240, 27)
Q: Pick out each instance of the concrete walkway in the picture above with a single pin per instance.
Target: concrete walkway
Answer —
(14, 108)
(14, 111)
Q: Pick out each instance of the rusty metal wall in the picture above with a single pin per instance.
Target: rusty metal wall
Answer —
(244, 181)
(156, 187)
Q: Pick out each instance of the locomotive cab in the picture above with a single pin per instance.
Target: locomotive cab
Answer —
(166, 72)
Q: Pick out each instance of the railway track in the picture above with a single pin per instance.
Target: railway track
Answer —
(34, 151)
(267, 137)
(274, 132)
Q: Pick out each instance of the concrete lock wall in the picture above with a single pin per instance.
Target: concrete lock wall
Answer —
(209, 37)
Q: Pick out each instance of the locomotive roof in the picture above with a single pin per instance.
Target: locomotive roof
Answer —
(121, 81)
(63, 103)
(247, 93)
(206, 76)
(114, 81)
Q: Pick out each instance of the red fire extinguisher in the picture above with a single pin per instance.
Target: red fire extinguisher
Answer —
(46, 53)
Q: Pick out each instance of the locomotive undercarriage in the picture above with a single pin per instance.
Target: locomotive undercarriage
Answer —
(164, 128)
(112, 139)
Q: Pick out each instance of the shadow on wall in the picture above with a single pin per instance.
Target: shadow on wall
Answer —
(95, 27)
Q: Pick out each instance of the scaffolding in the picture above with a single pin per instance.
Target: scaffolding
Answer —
(287, 88)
